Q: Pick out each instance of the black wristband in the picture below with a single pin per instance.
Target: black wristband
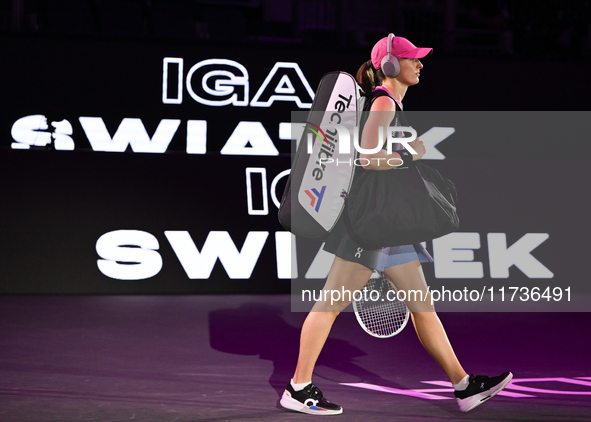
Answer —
(406, 156)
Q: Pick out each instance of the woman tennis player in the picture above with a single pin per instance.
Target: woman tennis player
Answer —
(386, 77)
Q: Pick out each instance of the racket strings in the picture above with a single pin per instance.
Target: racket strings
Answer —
(382, 315)
(383, 320)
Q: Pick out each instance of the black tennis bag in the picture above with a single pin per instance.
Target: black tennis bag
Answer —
(401, 207)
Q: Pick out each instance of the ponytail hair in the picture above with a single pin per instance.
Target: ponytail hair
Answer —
(368, 77)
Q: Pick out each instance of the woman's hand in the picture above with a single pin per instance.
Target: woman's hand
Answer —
(419, 147)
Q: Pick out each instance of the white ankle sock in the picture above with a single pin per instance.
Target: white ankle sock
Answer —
(298, 387)
(463, 384)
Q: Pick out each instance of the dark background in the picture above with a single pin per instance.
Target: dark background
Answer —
(67, 59)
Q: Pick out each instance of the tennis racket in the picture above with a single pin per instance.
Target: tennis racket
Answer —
(380, 314)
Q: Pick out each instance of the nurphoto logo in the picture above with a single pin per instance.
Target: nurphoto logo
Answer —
(336, 142)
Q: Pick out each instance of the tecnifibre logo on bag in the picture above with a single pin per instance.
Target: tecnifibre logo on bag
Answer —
(316, 197)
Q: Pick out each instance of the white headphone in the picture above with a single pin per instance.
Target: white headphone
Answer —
(390, 64)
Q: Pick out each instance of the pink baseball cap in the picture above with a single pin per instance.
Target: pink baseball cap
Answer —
(401, 48)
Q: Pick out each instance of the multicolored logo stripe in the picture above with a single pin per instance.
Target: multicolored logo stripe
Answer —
(316, 132)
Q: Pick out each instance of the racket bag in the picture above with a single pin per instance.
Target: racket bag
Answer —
(314, 196)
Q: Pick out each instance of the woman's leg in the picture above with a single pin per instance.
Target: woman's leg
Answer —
(343, 274)
(409, 277)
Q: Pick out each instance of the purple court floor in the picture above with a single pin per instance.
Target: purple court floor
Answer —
(228, 358)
